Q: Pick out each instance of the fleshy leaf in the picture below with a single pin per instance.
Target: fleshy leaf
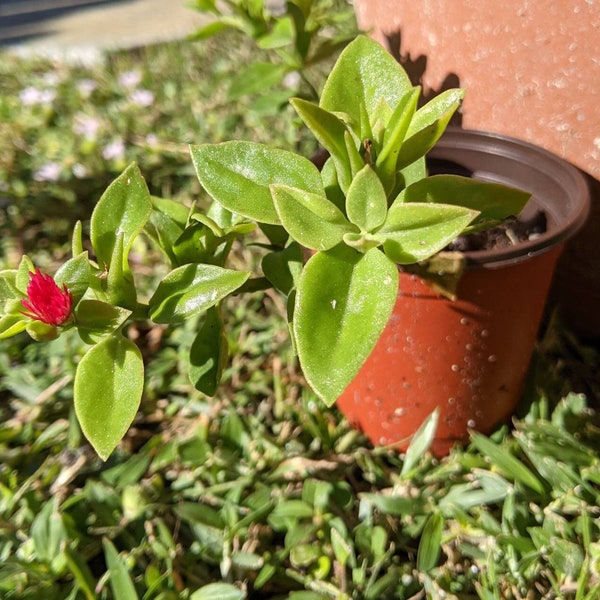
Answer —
(427, 126)
(393, 138)
(123, 211)
(329, 131)
(283, 267)
(42, 332)
(344, 299)
(495, 202)
(75, 274)
(95, 319)
(22, 277)
(310, 219)
(238, 176)
(364, 74)
(437, 108)
(12, 321)
(366, 202)
(208, 354)
(192, 289)
(164, 225)
(8, 288)
(108, 388)
(118, 285)
(415, 231)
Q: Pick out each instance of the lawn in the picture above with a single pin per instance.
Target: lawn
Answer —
(260, 491)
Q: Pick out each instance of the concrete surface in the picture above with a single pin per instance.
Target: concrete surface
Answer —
(82, 30)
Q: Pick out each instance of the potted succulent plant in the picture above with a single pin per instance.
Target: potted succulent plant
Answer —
(374, 217)
(348, 244)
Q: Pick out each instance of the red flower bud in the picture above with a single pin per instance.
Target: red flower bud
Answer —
(45, 301)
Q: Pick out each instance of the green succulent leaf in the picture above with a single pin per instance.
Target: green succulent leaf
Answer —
(209, 353)
(122, 211)
(42, 332)
(238, 176)
(330, 132)
(310, 219)
(364, 74)
(344, 299)
(438, 108)
(13, 321)
(366, 202)
(165, 225)
(95, 319)
(22, 277)
(283, 267)
(118, 285)
(75, 274)
(108, 388)
(8, 287)
(394, 135)
(77, 239)
(427, 126)
(494, 202)
(416, 231)
(191, 289)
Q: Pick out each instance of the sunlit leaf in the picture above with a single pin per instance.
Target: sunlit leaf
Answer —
(413, 231)
(191, 289)
(311, 219)
(366, 202)
(123, 211)
(343, 302)
(108, 388)
(238, 176)
(364, 74)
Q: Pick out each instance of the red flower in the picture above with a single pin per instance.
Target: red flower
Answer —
(47, 302)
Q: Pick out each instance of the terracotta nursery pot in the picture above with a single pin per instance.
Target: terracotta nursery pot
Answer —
(469, 357)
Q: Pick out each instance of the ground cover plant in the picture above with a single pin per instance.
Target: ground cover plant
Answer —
(260, 492)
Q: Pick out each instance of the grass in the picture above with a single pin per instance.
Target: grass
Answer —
(260, 492)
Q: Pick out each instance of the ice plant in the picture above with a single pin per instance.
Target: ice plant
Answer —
(46, 301)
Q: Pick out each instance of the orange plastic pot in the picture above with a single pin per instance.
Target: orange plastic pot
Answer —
(469, 357)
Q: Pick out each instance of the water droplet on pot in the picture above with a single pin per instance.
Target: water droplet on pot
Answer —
(451, 400)
(484, 333)
(399, 412)
(419, 369)
(464, 321)
(382, 441)
(492, 358)
(469, 347)
(471, 423)
(455, 368)
(409, 340)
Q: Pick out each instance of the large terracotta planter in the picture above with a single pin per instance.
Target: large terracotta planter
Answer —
(469, 357)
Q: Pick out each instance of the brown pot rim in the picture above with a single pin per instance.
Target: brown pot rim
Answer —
(557, 187)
